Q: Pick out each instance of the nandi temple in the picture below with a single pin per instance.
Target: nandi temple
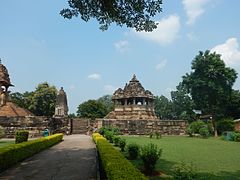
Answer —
(134, 112)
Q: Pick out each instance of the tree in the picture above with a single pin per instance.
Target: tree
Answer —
(22, 100)
(43, 100)
(132, 13)
(106, 100)
(182, 103)
(92, 109)
(210, 84)
(163, 107)
(233, 105)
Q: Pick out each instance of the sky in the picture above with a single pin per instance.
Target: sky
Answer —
(38, 45)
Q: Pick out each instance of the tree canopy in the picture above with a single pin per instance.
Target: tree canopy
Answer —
(132, 13)
(210, 83)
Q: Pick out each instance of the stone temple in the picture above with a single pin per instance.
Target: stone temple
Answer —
(8, 108)
(61, 108)
(133, 103)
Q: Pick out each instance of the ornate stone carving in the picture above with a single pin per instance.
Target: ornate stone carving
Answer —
(61, 108)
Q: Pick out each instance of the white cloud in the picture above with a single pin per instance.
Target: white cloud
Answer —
(194, 9)
(121, 46)
(109, 89)
(192, 36)
(166, 32)
(72, 87)
(161, 65)
(230, 51)
(94, 76)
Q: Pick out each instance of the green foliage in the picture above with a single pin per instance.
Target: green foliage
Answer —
(14, 153)
(225, 125)
(40, 102)
(158, 135)
(151, 135)
(21, 136)
(106, 100)
(196, 126)
(163, 107)
(233, 105)
(109, 136)
(184, 171)
(2, 133)
(133, 150)
(122, 144)
(115, 165)
(236, 136)
(92, 109)
(130, 13)
(204, 132)
(116, 140)
(150, 154)
(210, 84)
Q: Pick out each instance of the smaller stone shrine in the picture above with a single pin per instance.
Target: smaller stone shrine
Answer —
(133, 103)
(61, 108)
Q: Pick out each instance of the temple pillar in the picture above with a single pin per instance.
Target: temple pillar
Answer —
(125, 102)
(143, 101)
(134, 101)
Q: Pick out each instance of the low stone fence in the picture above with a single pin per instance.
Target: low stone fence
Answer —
(34, 124)
(142, 127)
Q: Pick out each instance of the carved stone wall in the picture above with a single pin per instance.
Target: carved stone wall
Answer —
(143, 127)
(34, 124)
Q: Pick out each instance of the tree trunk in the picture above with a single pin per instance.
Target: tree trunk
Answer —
(214, 127)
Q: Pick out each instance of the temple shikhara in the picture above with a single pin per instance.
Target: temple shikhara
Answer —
(133, 102)
(8, 108)
(61, 108)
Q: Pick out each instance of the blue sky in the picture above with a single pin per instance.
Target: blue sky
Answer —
(38, 45)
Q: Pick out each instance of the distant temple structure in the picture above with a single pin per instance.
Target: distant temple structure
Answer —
(8, 108)
(61, 108)
(133, 103)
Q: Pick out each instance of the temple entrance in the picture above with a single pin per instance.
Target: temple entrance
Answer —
(79, 126)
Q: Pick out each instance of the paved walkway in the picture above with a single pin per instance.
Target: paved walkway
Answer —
(72, 159)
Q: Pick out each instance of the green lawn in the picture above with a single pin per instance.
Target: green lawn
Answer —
(213, 158)
(6, 143)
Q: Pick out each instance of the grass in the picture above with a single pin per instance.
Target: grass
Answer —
(213, 158)
(6, 143)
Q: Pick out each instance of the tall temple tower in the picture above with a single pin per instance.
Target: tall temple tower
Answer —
(61, 108)
(133, 103)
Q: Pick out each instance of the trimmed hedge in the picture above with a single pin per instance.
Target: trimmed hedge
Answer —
(115, 165)
(21, 136)
(14, 153)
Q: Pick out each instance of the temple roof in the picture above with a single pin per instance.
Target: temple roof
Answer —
(132, 89)
(12, 110)
(4, 76)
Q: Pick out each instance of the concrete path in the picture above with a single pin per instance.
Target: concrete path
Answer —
(72, 159)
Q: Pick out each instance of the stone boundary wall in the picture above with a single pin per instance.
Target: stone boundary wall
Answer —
(34, 124)
(143, 127)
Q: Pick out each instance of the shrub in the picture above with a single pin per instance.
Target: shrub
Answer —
(225, 125)
(109, 136)
(158, 135)
(149, 155)
(236, 137)
(2, 133)
(114, 164)
(133, 150)
(189, 131)
(21, 136)
(196, 126)
(204, 132)
(14, 153)
(184, 171)
(116, 140)
(122, 144)
(151, 135)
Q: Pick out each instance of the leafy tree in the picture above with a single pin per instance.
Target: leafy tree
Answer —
(210, 84)
(92, 109)
(233, 105)
(106, 100)
(22, 100)
(132, 13)
(163, 107)
(182, 103)
(43, 100)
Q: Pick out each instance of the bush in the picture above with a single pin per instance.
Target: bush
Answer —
(189, 131)
(116, 140)
(133, 150)
(122, 144)
(14, 153)
(21, 136)
(114, 164)
(225, 125)
(236, 137)
(149, 155)
(158, 135)
(184, 171)
(204, 132)
(151, 135)
(196, 126)
(2, 133)
(109, 136)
